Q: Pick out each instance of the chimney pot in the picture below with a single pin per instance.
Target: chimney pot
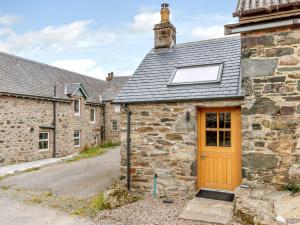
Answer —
(109, 76)
(165, 32)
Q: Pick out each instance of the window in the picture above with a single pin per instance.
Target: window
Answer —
(44, 141)
(197, 74)
(77, 138)
(77, 107)
(93, 115)
(218, 129)
(114, 125)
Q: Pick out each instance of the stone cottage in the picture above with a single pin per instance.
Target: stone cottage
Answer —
(50, 112)
(213, 114)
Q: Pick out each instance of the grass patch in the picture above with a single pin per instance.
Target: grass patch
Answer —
(292, 187)
(31, 169)
(108, 144)
(98, 203)
(1, 177)
(35, 200)
(92, 152)
(4, 188)
(95, 205)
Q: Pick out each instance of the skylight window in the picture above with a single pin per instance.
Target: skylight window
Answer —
(197, 74)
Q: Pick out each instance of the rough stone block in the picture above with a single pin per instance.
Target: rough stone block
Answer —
(259, 160)
(287, 110)
(258, 67)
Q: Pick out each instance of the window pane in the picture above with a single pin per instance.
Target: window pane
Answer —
(92, 114)
(76, 106)
(224, 120)
(197, 74)
(43, 136)
(76, 142)
(211, 138)
(43, 145)
(76, 133)
(225, 138)
(211, 120)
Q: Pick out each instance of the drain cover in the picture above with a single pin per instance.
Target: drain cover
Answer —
(216, 195)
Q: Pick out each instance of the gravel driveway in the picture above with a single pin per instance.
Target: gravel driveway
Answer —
(81, 179)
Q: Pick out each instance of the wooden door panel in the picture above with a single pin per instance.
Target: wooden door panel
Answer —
(219, 165)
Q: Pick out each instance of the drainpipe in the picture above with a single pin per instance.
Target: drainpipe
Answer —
(104, 121)
(128, 145)
(54, 124)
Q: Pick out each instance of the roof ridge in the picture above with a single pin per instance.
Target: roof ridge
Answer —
(210, 40)
(45, 64)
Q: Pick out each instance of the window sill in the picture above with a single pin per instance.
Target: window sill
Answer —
(43, 150)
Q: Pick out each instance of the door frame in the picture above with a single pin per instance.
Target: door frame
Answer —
(237, 178)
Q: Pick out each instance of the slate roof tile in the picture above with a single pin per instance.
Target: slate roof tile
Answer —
(149, 82)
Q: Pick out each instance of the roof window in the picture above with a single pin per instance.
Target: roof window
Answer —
(197, 74)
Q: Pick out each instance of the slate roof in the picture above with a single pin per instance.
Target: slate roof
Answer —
(250, 5)
(114, 87)
(149, 82)
(25, 77)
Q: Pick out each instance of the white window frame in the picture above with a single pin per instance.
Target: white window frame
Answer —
(94, 119)
(44, 140)
(112, 125)
(77, 138)
(170, 82)
(79, 107)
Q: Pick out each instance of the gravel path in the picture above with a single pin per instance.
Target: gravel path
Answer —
(145, 212)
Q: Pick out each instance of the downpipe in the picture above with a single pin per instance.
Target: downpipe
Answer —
(128, 140)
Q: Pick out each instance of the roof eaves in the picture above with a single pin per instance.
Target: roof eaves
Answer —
(263, 10)
(179, 100)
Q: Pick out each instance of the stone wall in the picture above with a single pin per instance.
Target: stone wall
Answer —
(164, 143)
(110, 115)
(271, 111)
(21, 121)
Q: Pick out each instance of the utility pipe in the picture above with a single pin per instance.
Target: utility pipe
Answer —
(54, 124)
(128, 145)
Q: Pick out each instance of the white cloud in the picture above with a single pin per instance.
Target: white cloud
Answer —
(9, 19)
(214, 31)
(75, 35)
(84, 66)
(144, 21)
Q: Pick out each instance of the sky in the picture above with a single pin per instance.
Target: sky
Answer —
(94, 37)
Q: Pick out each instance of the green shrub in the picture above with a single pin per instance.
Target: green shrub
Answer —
(294, 188)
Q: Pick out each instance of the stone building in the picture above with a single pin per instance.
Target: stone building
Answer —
(49, 112)
(215, 113)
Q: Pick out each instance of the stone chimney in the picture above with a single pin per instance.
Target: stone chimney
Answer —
(110, 76)
(164, 32)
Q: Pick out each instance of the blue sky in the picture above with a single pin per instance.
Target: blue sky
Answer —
(95, 37)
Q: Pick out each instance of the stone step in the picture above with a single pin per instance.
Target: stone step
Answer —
(208, 210)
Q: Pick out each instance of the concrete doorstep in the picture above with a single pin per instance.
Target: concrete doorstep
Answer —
(208, 210)
(21, 167)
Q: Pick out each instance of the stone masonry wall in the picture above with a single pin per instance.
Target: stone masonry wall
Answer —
(110, 115)
(164, 143)
(20, 121)
(271, 111)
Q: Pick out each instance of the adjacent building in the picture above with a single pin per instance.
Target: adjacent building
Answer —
(212, 114)
(50, 112)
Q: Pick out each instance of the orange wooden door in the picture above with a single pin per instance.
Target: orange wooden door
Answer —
(219, 148)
